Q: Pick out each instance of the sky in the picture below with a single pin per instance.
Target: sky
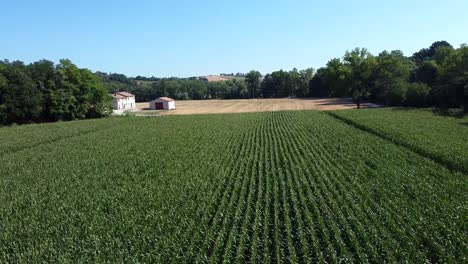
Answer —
(185, 38)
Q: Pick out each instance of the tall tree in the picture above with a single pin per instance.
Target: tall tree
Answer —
(21, 100)
(428, 53)
(65, 102)
(94, 99)
(295, 83)
(452, 78)
(3, 89)
(361, 64)
(305, 77)
(79, 93)
(317, 86)
(268, 86)
(43, 74)
(336, 77)
(391, 77)
(427, 72)
(252, 78)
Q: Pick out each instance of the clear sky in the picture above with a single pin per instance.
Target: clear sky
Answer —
(191, 38)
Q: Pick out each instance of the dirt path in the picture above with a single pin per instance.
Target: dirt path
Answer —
(254, 105)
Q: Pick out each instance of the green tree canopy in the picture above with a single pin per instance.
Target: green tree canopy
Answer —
(362, 66)
(253, 82)
(392, 74)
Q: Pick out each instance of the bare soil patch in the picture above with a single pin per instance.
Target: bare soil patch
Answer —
(256, 105)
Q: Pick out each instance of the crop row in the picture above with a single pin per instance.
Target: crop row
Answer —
(444, 139)
(250, 188)
(18, 138)
(321, 192)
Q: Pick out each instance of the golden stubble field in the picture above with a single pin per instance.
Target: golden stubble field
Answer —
(253, 105)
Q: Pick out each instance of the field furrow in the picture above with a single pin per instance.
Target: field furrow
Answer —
(278, 187)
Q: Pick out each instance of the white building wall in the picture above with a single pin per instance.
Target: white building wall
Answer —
(127, 103)
(171, 105)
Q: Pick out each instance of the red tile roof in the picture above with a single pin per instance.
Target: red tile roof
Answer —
(167, 99)
(117, 96)
(125, 94)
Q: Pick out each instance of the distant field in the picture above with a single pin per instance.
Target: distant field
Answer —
(285, 186)
(255, 105)
(217, 78)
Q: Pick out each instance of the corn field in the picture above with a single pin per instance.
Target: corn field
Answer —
(279, 187)
(444, 139)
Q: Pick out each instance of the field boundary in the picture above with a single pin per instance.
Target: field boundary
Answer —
(451, 166)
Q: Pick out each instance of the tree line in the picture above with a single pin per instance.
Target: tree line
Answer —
(433, 76)
(192, 88)
(44, 92)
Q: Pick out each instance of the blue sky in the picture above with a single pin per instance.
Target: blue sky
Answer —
(191, 38)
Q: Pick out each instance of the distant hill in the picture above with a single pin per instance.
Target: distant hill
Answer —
(219, 78)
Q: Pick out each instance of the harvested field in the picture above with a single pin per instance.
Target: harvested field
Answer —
(255, 105)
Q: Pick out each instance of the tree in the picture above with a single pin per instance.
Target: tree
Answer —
(442, 54)
(437, 45)
(294, 82)
(43, 74)
(199, 89)
(428, 53)
(465, 99)
(20, 99)
(279, 84)
(317, 87)
(427, 72)
(305, 78)
(417, 94)
(79, 94)
(452, 78)
(94, 98)
(119, 78)
(65, 102)
(391, 77)
(3, 89)
(267, 86)
(361, 65)
(253, 82)
(236, 89)
(335, 77)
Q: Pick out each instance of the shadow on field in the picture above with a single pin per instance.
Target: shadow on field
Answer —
(330, 101)
(449, 112)
(335, 103)
(401, 108)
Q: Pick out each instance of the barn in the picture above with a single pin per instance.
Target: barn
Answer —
(162, 103)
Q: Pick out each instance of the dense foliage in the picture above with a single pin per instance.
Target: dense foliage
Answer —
(434, 76)
(274, 187)
(42, 91)
(147, 89)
